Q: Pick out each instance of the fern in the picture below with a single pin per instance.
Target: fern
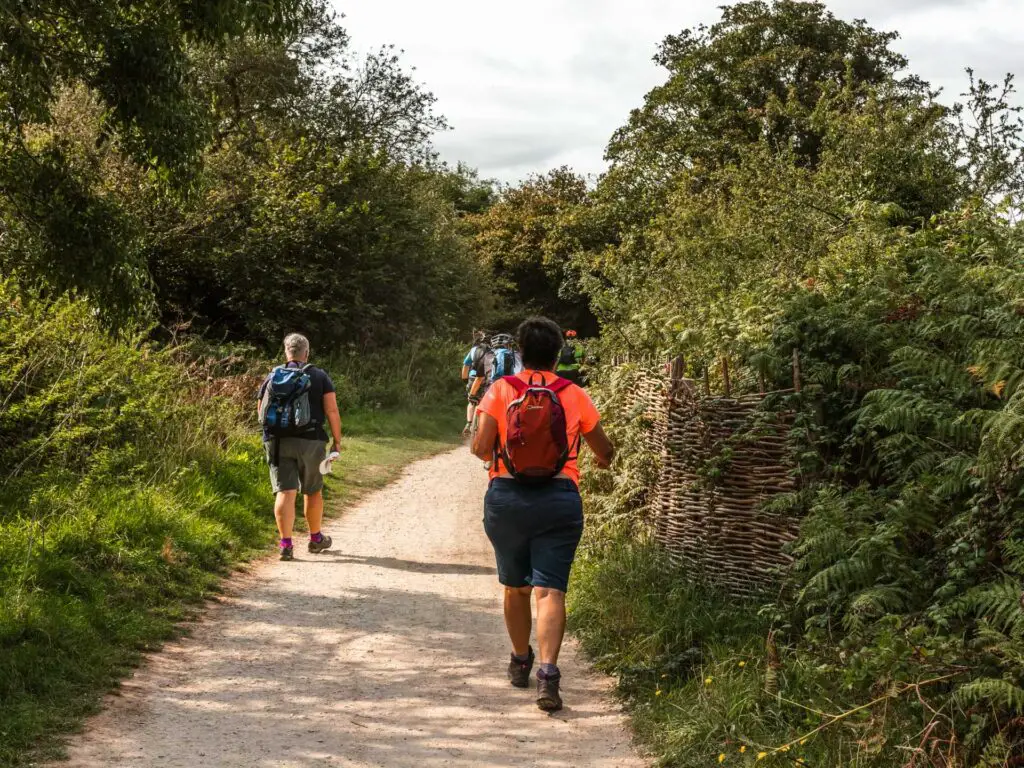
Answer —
(991, 692)
(998, 604)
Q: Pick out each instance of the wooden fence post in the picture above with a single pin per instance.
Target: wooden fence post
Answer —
(676, 374)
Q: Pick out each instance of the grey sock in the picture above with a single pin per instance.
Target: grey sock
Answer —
(548, 672)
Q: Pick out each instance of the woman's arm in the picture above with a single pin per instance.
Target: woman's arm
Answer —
(486, 434)
(601, 446)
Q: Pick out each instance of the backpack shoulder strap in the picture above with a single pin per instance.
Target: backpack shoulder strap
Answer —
(559, 384)
(518, 384)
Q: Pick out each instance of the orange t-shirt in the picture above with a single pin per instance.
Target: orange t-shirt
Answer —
(580, 412)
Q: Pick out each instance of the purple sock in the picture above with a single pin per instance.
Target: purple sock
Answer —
(316, 537)
(521, 659)
(286, 543)
(548, 672)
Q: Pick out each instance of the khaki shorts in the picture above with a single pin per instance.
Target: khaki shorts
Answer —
(298, 467)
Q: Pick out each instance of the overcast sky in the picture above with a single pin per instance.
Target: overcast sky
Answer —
(536, 84)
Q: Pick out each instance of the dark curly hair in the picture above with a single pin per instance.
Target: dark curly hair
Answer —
(540, 342)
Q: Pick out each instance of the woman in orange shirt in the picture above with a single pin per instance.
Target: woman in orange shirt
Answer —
(535, 528)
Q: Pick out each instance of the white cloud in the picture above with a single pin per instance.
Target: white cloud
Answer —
(541, 83)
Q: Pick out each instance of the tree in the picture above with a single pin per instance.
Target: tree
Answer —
(757, 74)
(285, 224)
(134, 56)
(57, 227)
(310, 84)
(352, 248)
(522, 239)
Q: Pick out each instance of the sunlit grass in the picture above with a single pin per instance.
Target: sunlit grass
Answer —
(694, 674)
(108, 568)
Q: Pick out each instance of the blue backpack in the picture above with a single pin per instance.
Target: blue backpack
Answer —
(284, 409)
(504, 364)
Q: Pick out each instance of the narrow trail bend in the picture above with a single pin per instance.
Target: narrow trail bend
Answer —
(387, 651)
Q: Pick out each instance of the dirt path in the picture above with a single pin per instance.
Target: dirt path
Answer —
(388, 651)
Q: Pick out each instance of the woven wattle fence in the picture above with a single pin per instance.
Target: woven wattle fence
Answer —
(722, 459)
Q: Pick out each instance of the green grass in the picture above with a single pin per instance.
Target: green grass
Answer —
(661, 638)
(693, 671)
(112, 569)
(377, 445)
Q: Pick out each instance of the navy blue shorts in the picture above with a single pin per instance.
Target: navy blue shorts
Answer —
(534, 530)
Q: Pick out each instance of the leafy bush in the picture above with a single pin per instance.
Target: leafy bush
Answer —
(421, 373)
(126, 489)
(879, 238)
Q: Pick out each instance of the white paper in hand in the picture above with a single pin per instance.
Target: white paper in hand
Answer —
(325, 465)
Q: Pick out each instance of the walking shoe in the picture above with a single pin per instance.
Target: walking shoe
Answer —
(286, 553)
(316, 547)
(519, 671)
(548, 697)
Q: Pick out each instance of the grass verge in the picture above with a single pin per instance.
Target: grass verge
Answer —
(114, 568)
(704, 685)
(681, 656)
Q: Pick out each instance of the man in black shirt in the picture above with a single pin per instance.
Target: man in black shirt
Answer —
(295, 460)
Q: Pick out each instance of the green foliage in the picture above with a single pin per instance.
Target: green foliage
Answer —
(524, 240)
(620, 500)
(755, 77)
(133, 480)
(788, 191)
(133, 54)
(419, 374)
(319, 208)
(313, 198)
(133, 57)
(125, 492)
(367, 255)
(74, 402)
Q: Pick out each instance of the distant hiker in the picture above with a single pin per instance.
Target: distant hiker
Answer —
(531, 426)
(475, 375)
(295, 401)
(504, 361)
(570, 358)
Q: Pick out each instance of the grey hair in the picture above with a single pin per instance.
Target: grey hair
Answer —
(296, 346)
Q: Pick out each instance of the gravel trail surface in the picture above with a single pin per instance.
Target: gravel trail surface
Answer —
(388, 650)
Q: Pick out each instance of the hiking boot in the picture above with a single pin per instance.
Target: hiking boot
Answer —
(287, 553)
(519, 671)
(316, 547)
(548, 697)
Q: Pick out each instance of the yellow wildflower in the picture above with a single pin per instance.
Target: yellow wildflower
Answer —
(802, 742)
(658, 692)
(743, 664)
(784, 748)
(707, 680)
(762, 755)
(721, 758)
(743, 749)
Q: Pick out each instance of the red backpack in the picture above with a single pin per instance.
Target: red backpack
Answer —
(536, 436)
